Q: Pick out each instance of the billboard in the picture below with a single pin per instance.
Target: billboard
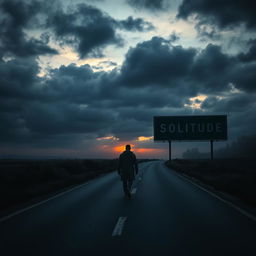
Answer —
(190, 128)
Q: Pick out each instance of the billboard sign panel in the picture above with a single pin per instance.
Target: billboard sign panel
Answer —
(190, 128)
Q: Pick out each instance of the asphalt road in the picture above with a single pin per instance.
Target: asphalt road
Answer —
(167, 215)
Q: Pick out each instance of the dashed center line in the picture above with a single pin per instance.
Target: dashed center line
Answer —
(134, 190)
(119, 226)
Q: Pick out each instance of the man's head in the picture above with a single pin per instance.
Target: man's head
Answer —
(128, 147)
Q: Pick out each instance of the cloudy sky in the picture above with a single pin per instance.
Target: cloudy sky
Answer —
(81, 78)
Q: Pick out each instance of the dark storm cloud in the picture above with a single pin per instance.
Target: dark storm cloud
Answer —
(211, 69)
(138, 24)
(238, 102)
(224, 14)
(206, 32)
(174, 37)
(153, 5)
(80, 85)
(244, 77)
(108, 63)
(73, 100)
(105, 64)
(240, 108)
(85, 27)
(156, 78)
(37, 119)
(17, 78)
(154, 62)
(15, 16)
(157, 63)
(146, 98)
(31, 107)
(130, 129)
(251, 54)
(73, 84)
(63, 118)
(89, 30)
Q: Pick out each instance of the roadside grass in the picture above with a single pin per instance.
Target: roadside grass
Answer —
(22, 181)
(236, 177)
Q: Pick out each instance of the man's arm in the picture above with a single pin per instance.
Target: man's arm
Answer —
(119, 165)
(136, 165)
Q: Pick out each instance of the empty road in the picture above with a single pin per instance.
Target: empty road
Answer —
(167, 215)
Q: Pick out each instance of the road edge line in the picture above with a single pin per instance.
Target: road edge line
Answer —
(240, 210)
(4, 218)
(42, 202)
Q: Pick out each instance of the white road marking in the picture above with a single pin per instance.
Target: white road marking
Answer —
(134, 190)
(41, 202)
(119, 226)
(247, 214)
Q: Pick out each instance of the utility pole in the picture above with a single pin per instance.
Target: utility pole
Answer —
(170, 150)
(211, 149)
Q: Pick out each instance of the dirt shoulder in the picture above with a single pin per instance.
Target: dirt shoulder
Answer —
(235, 177)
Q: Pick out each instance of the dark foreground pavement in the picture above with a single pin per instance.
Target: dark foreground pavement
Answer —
(167, 215)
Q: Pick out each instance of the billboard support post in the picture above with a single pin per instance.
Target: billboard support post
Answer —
(170, 150)
(211, 149)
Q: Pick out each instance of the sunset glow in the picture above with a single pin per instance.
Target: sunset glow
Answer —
(143, 138)
(121, 148)
(195, 102)
(140, 151)
(108, 138)
(148, 150)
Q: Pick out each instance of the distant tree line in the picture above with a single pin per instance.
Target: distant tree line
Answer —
(243, 147)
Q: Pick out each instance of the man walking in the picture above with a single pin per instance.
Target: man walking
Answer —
(127, 165)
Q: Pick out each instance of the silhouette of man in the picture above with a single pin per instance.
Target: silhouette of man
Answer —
(127, 167)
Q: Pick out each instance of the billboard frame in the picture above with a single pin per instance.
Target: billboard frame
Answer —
(209, 118)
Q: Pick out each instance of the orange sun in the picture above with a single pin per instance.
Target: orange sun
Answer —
(140, 151)
(121, 148)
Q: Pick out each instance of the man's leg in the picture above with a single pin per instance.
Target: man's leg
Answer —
(130, 185)
(126, 191)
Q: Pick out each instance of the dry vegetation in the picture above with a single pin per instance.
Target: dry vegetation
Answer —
(236, 177)
(23, 180)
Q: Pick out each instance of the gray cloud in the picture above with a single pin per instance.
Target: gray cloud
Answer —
(138, 24)
(211, 69)
(155, 62)
(15, 17)
(187, 71)
(17, 78)
(174, 37)
(224, 14)
(244, 77)
(89, 30)
(62, 118)
(251, 54)
(152, 5)
(238, 102)
(85, 27)
(156, 78)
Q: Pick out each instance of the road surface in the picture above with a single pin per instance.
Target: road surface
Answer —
(167, 215)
